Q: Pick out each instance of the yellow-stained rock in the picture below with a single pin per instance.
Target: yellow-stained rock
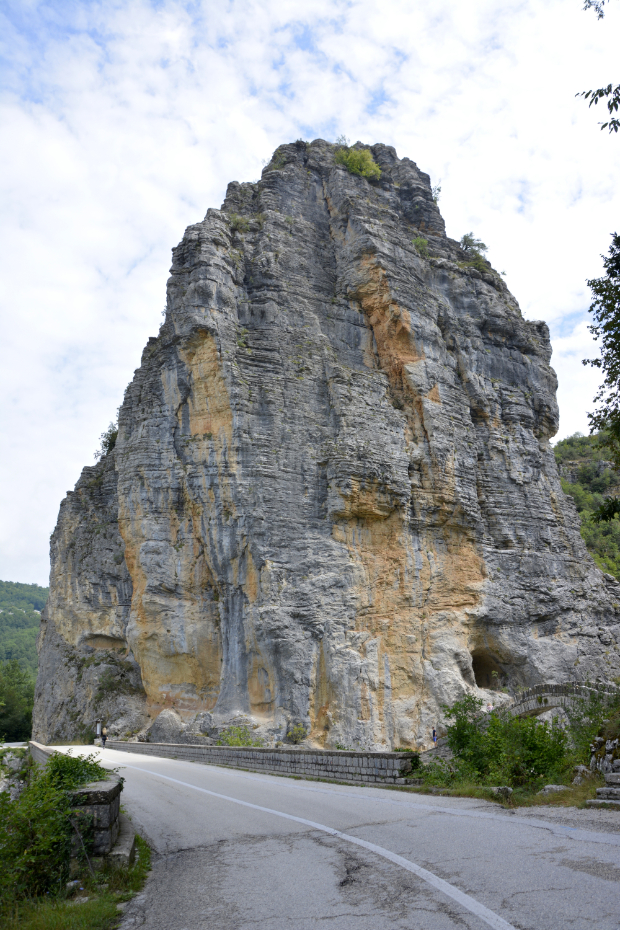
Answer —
(332, 500)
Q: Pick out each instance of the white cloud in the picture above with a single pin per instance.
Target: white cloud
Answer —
(124, 120)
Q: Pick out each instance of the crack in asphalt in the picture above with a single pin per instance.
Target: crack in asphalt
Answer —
(451, 891)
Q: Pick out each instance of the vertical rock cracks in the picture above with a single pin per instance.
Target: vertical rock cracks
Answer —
(333, 500)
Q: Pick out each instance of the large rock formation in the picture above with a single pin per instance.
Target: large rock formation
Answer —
(332, 499)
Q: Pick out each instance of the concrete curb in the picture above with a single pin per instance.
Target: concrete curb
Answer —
(124, 850)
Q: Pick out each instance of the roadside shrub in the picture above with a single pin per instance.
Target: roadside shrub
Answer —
(499, 749)
(597, 715)
(66, 771)
(35, 840)
(521, 750)
(238, 736)
(358, 161)
(106, 888)
(36, 829)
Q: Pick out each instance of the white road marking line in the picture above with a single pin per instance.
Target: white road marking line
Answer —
(469, 903)
(576, 833)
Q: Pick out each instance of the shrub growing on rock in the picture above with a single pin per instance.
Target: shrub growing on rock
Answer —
(297, 734)
(421, 245)
(358, 161)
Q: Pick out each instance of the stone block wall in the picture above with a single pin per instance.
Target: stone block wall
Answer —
(387, 768)
(99, 800)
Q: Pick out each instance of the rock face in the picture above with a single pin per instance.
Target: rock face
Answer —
(332, 500)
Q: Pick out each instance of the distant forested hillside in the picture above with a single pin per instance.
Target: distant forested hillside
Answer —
(20, 608)
(588, 477)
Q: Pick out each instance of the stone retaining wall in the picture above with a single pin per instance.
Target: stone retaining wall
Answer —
(387, 768)
(99, 800)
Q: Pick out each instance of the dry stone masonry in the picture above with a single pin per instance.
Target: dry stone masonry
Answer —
(97, 806)
(368, 768)
(332, 501)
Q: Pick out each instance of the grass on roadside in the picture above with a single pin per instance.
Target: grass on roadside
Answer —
(100, 913)
(574, 796)
(109, 887)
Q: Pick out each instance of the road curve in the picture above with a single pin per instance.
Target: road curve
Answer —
(238, 850)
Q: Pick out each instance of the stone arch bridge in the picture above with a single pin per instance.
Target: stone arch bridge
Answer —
(541, 698)
(531, 703)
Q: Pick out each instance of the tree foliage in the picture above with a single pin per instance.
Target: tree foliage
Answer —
(20, 607)
(605, 310)
(612, 95)
(499, 749)
(471, 245)
(609, 93)
(474, 249)
(596, 5)
(16, 701)
(591, 482)
(107, 441)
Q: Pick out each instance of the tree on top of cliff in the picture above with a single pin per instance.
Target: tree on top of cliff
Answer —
(108, 441)
(471, 245)
(475, 249)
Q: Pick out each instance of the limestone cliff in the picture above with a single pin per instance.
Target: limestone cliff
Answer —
(332, 499)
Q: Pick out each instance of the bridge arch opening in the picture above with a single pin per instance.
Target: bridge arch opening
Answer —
(487, 671)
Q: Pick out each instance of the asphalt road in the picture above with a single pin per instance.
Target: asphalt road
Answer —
(236, 850)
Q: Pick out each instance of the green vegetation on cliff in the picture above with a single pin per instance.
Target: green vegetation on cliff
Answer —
(358, 161)
(587, 476)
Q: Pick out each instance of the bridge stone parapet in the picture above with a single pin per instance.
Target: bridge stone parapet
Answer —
(377, 768)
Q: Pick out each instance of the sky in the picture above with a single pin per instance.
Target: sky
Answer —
(122, 121)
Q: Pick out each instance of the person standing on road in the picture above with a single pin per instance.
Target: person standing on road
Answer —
(434, 736)
(104, 736)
